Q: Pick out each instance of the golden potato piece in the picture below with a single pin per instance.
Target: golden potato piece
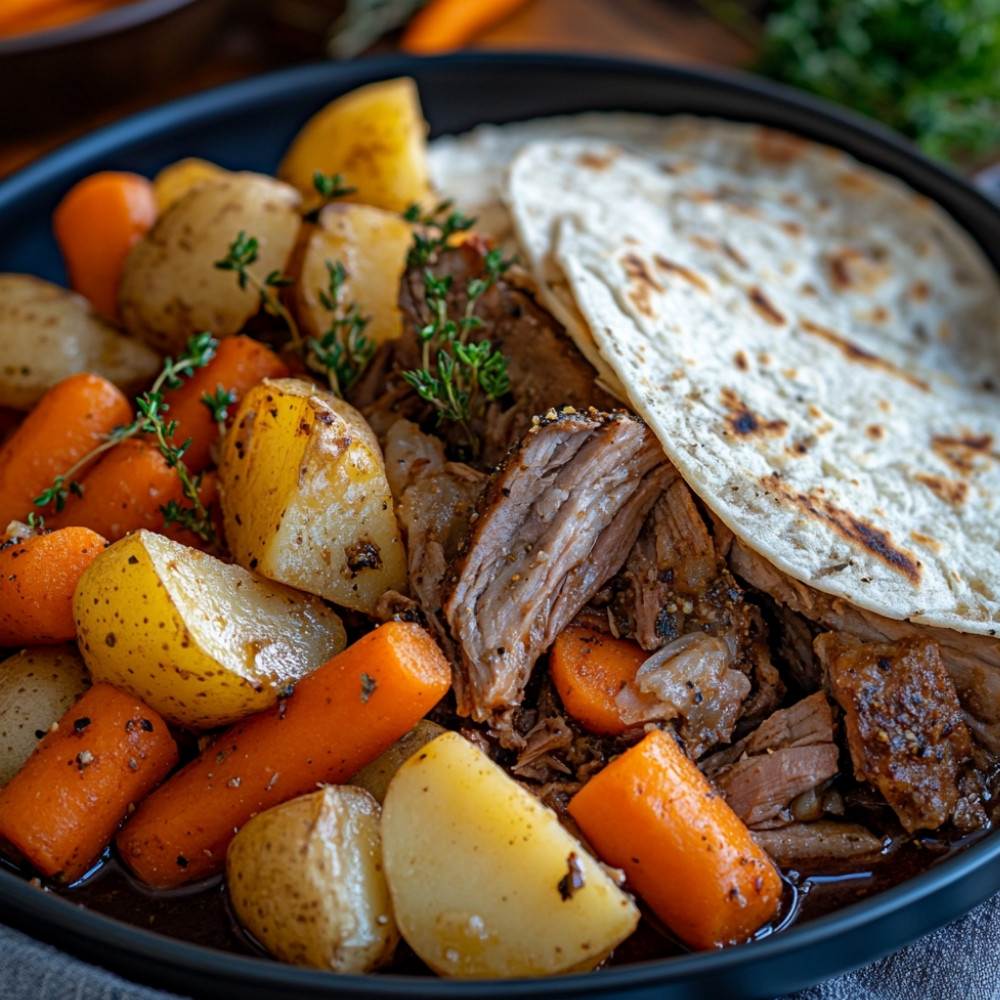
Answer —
(171, 288)
(304, 495)
(203, 642)
(37, 686)
(176, 179)
(372, 244)
(376, 137)
(48, 333)
(375, 777)
(306, 879)
(485, 880)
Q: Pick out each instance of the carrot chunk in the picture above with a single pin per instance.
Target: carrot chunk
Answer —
(70, 420)
(62, 808)
(239, 363)
(590, 670)
(652, 813)
(37, 578)
(338, 718)
(444, 25)
(96, 224)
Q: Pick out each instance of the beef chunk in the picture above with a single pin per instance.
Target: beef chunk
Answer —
(557, 521)
(790, 753)
(545, 368)
(904, 725)
(822, 841)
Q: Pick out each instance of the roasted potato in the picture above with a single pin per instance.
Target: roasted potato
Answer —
(375, 137)
(48, 333)
(306, 879)
(371, 244)
(177, 178)
(485, 880)
(171, 288)
(201, 641)
(304, 495)
(37, 686)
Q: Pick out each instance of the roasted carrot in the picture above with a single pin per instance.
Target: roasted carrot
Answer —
(37, 578)
(105, 754)
(53, 14)
(96, 224)
(123, 492)
(444, 25)
(652, 813)
(589, 670)
(70, 420)
(239, 364)
(338, 718)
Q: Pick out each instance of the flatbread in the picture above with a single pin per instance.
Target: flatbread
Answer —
(816, 346)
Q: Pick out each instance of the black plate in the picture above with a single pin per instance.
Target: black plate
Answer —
(248, 125)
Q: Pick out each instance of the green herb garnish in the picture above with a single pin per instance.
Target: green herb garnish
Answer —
(329, 187)
(152, 420)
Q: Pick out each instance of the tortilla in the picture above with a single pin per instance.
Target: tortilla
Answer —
(815, 344)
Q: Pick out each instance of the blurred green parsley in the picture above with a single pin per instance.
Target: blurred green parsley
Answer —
(928, 68)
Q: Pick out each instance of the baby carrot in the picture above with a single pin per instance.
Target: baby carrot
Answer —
(53, 14)
(589, 670)
(37, 578)
(64, 805)
(652, 813)
(239, 363)
(338, 718)
(123, 492)
(443, 25)
(96, 224)
(70, 420)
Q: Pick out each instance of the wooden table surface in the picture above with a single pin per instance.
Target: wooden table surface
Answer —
(668, 30)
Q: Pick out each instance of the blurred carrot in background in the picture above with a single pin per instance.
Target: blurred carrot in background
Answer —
(444, 25)
(21, 17)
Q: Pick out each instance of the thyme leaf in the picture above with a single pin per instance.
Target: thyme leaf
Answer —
(151, 419)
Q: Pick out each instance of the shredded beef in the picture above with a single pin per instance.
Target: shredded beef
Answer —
(556, 521)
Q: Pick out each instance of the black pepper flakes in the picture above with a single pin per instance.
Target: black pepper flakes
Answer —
(574, 879)
(79, 725)
(367, 687)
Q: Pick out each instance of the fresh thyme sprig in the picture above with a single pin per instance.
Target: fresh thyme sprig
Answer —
(343, 352)
(151, 419)
(329, 187)
(243, 253)
(439, 225)
(459, 378)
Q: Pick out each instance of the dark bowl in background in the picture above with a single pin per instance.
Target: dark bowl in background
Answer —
(48, 77)
(248, 125)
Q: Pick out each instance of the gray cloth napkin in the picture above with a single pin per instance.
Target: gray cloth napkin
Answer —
(958, 962)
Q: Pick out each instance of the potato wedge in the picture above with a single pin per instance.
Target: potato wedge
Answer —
(171, 287)
(177, 178)
(376, 137)
(48, 333)
(485, 880)
(372, 245)
(201, 641)
(37, 686)
(306, 879)
(304, 495)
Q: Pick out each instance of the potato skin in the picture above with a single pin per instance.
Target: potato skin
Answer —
(201, 641)
(171, 288)
(371, 244)
(305, 498)
(485, 880)
(37, 686)
(306, 879)
(48, 333)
